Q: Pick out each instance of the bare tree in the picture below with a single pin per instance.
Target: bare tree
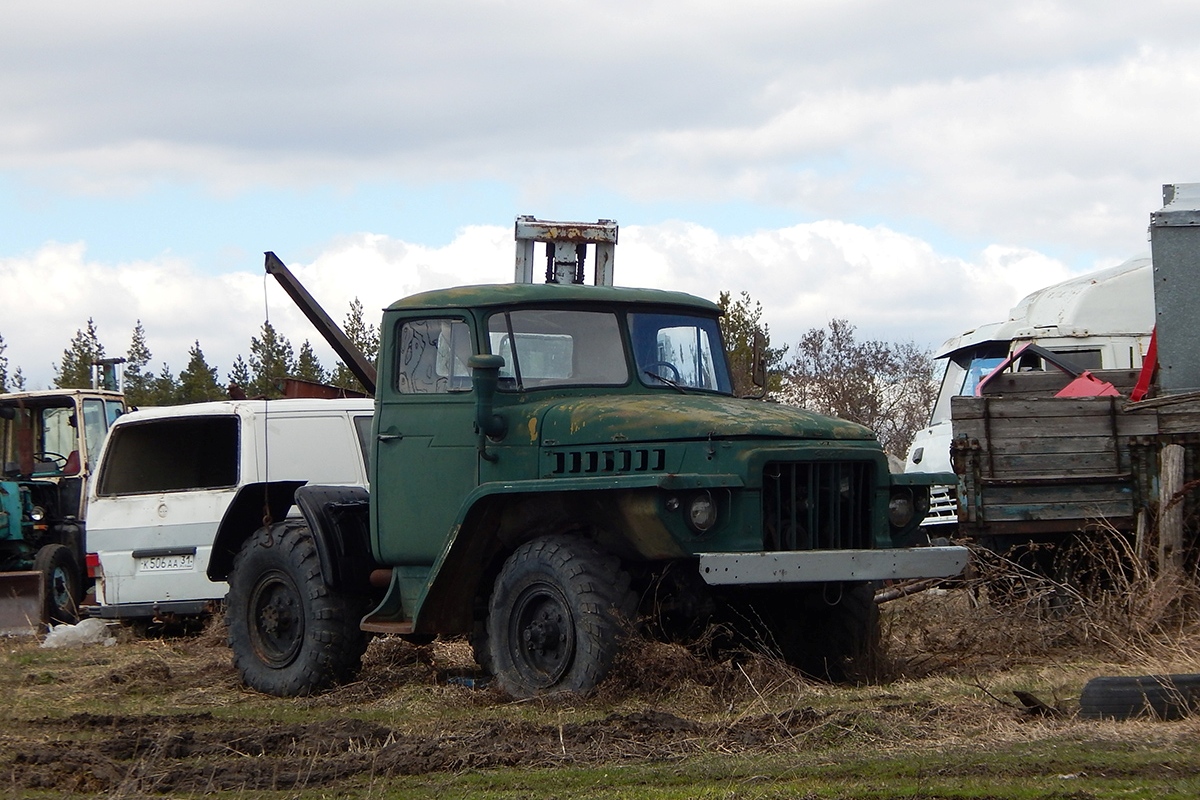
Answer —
(885, 386)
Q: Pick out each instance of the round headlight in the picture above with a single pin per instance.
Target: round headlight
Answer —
(37, 514)
(702, 512)
(900, 510)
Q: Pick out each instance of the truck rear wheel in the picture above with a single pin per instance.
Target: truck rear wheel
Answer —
(290, 633)
(556, 616)
(63, 583)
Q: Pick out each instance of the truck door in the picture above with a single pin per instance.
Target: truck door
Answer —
(425, 445)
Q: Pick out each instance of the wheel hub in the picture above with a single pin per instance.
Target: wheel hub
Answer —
(544, 629)
(277, 630)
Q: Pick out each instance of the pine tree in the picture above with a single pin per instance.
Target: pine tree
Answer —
(75, 370)
(3, 366)
(308, 366)
(198, 381)
(740, 319)
(165, 390)
(271, 358)
(18, 381)
(239, 377)
(139, 384)
(364, 336)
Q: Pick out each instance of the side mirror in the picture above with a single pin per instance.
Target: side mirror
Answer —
(758, 364)
(485, 377)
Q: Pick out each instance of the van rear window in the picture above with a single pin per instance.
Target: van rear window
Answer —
(171, 455)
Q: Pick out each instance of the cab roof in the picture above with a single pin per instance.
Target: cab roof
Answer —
(506, 294)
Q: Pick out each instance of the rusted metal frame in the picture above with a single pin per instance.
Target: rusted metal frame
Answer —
(987, 434)
(1112, 420)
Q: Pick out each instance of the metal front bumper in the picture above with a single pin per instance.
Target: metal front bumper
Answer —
(822, 566)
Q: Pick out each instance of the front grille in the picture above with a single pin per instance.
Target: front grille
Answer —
(817, 506)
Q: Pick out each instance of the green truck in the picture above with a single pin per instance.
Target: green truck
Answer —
(556, 465)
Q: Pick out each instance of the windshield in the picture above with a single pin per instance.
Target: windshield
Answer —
(679, 350)
(554, 347)
(964, 371)
(38, 438)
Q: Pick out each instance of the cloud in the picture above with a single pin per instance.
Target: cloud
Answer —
(1050, 124)
(890, 285)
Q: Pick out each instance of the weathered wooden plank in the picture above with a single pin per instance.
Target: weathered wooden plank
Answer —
(1004, 407)
(1053, 445)
(1007, 512)
(1026, 427)
(1179, 422)
(1077, 494)
(1046, 464)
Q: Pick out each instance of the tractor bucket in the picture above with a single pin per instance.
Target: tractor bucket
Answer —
(22, 600)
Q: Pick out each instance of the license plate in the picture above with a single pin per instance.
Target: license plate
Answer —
(180, 563)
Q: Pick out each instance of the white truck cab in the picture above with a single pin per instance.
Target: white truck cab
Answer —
(1102, 320)
(170, 479)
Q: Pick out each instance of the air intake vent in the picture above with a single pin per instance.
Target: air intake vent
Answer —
(605, 462)
(817, 506)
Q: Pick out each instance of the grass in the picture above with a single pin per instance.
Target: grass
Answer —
(168, 717)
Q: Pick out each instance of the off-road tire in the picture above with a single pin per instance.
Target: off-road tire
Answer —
(1148, 696)
(827, 633)
(843, 638)
(63, 583)
(558, 612)
(290, 633)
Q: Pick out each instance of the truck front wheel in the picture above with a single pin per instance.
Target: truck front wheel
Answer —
(556, 616)
(290, 633)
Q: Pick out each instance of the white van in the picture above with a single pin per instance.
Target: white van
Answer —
(171, 481)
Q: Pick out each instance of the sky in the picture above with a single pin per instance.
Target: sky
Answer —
(914, 168)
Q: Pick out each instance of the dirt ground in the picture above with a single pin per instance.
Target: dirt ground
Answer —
(168, 716)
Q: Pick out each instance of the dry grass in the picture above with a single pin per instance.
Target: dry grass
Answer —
(954, 658)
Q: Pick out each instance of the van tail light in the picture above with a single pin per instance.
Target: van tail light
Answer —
(93, 565)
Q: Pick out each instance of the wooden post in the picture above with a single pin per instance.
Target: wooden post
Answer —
(1170, 510)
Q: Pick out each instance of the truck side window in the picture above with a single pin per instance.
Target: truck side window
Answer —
(432, 357)
(171, 455)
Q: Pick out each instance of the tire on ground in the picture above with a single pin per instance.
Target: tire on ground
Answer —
(558, 611)
(63, 583)
(834, 637)
(1122, 697)
(290, 633)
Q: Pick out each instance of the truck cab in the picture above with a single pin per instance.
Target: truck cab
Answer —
(49, 443)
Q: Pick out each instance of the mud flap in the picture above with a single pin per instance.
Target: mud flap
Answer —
(22, 598)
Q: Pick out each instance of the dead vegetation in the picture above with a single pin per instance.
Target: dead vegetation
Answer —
(168, 716)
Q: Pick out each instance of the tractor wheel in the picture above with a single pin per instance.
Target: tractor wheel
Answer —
(290, 633)
(556, 617)
(63, 583)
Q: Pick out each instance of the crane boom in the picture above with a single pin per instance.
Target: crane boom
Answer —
(351, 356)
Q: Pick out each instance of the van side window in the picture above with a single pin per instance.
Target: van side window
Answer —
(171, 455)
(362, 426)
